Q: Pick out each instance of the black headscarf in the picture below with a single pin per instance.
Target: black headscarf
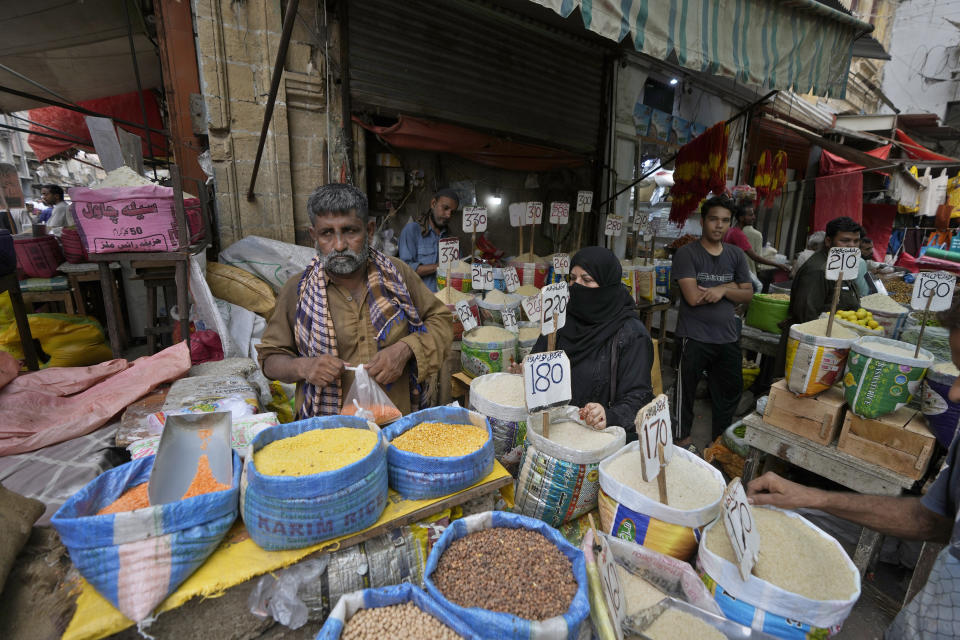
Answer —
(595, 314)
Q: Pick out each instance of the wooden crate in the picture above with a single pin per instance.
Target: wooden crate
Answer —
(817, 419)
(901, 441)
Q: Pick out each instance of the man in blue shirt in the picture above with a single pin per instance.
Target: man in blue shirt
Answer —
(420, 241)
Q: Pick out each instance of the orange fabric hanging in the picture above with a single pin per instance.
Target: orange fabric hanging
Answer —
(700, 169)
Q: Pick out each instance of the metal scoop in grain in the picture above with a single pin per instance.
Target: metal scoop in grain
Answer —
(185, 438)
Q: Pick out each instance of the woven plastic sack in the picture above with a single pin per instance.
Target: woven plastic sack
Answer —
(368, 400)
(291, 512)
(350, 603)
(70, 341)
(498, 625)
(418, 477)
(758, 604)
(509, 424)
(814, 363)
(942, 414)
(878, 382)
(629, 515)
(557, 483)
(135, 559)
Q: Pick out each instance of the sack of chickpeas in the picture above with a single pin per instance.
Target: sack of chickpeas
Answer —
(401, 612)
(508, 576)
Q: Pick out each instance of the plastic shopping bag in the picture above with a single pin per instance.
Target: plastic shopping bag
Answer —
(367, 400)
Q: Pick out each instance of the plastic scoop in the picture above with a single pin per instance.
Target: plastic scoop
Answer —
(185, 438)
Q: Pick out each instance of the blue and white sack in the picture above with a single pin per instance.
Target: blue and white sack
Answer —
(498, 625)
(135, 559)
(292, 512)
(419, 477)
(350, 603)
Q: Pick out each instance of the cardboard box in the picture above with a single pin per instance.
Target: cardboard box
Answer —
(900, 441)
(818, 418)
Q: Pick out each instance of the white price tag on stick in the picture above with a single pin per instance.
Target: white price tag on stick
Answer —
(486, 274)
(613, 590)
(510, 320)
(653, 431)
(531, 306)
(553, 298)
(449, 253)
(738, 520)
(510, 279)
(518, 214)
(476, 276)
(843, 262)
(584, 201)
(561, 263)
(465, 316)
(534, 212)
(546, 380)
(937, 286)
(474, 219)
(559, 212)
(614, 225)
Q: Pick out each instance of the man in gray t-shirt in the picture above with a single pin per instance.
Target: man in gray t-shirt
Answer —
(713, 278)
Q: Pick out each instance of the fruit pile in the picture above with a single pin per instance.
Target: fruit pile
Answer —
(861, 316)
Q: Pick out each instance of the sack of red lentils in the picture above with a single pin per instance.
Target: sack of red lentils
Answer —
(135, 554)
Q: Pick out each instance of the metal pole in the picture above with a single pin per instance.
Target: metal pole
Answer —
(136, 73)
(288, 20)
(33, 82)
(66, 133)
(348, 141)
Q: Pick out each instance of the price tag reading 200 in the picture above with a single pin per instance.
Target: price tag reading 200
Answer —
(843, 262)
(653, 431)
(465, 316)
(553, 299)
(546, 380)
(938, 286)
(738, 520)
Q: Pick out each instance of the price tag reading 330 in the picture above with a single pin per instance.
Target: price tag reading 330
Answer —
(653, 431)
(553, 299)
(738, 520)
(474, 219)
(449, 253)
(546, 379)
(843, 262)
(561, 263)
(937, 285)
(465, 316)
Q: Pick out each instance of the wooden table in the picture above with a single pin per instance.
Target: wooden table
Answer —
(753, 339)
(646, 311)
(828, 462)
(460, 387)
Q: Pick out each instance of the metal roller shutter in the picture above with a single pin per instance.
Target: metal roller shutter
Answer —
(471, 63)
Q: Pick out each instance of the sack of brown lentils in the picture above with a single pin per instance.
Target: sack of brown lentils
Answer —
(510, 577)
(401, 612)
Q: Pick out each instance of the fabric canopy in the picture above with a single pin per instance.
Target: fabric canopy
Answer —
(917, 151)
(831, 163)
(125, 107)
(789, 44)
(416, 133)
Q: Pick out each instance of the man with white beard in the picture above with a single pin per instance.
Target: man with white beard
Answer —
(353, 305)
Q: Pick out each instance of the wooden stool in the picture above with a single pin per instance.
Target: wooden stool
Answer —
(63, 297)
(89, 274)
(9, 282)
(158, 277)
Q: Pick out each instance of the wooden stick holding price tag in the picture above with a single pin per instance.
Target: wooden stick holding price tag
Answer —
(842, 264)
(655, 442)
(934, 292)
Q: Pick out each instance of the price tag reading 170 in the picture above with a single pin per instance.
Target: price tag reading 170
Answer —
(614, 225)
(559, 212)
(937, 286)
(546, 380)
(843, 262)
(653, 431)
(738, 520)
(464, 315)
(510, 279)
(449, 253)
(474, 219)
(553, 301)
(561, 263)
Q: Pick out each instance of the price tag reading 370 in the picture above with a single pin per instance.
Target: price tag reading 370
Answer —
(843, 263)
(546, 380)
(935, 286)
(653, 431)
(738, 520)
(465, 316)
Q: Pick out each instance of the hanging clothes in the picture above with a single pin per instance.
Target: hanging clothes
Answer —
(838, 195)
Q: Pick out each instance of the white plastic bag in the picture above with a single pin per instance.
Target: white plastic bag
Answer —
(273, 261)
(368, 400)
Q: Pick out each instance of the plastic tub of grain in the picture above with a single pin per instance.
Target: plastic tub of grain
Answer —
(558, 476)
(312, 480)
(803, 584)
(890, 314)
(814, 360)
(883, 375)
(459, 276)
(509, 576)
(450, 297)
(487, 350)
(494, 303)
(438, 451)
(942, 414)
(112, 532)
(767, 311)
(529, 333)
(631, 509)
(531, 269)
(399, 612)
(500, 397)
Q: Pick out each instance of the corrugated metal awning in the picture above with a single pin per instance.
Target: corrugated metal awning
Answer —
(801, 45)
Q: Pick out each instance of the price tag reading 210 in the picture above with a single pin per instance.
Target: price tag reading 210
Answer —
(546, 380)
(843, 262)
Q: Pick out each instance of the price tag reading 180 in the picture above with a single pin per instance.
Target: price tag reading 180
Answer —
(938, 286)
(843, 262)
(559, 212)
(510, 279)
(653, 430)
(553, 300)
(738, 520)
(561, 263)
(464, 315)
(449, 253)
(546, 380)
(474, 219)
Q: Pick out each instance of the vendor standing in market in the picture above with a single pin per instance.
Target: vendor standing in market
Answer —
(353, 305)
(714, 278)
(743, 234)
(420, 240)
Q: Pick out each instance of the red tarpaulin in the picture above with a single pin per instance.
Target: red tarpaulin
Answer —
(124, 107)
(414, 133)
(831, 163)
(877, 225)
(917, 151)
(840, 195)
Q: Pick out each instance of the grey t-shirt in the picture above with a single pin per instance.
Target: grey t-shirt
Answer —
(711, 323)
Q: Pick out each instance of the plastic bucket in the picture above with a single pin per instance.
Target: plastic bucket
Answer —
(814, 363)
(878, 382)
(491, 313)
(766, 313)
(534, 273)
(943, 416)
(481, 357)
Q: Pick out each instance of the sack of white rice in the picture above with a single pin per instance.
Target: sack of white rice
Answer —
(814, 361)
(494, 303)
(883, 375)
(450, 297)
(802, 586)
(499, 397)
(527, 338)
(890, 314)
(487, 350)
(630, 508)
(558, 475)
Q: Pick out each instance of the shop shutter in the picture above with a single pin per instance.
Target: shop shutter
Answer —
(474, 64)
